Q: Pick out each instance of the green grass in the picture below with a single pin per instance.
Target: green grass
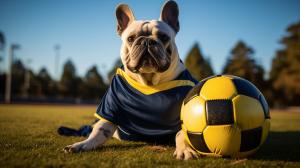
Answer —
(28, 138)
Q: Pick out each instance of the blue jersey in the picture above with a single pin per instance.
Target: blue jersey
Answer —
(144, 111)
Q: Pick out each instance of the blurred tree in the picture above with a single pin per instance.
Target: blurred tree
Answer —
(2, 46)
(34, 89)
(93, 85)
(18, 74)
(112, 72)
(2, 75)
(285, 71)
(48, 87)
(241, 63)
(2, 84)
(2, 41)
(69, 83)
(197, 65)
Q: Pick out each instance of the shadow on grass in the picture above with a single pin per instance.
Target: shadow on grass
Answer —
(281, 146)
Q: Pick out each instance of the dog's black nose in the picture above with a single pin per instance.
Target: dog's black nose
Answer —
(151, 42)
(144, 42)
(148, 42)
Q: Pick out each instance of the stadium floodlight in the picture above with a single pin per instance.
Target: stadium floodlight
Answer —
(56, 63)
(12, 48)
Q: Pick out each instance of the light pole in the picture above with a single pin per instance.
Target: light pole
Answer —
(9, 72)
(27, 79)
(56, 62)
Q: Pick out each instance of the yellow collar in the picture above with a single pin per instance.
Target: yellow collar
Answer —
(147, 90)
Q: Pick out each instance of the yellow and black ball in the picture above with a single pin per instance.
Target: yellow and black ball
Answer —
(225, 115)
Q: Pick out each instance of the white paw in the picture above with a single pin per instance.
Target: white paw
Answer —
(185, 153)
(78, 147)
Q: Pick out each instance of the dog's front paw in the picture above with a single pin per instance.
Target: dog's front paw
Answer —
(78, 147)
(185, 153)
(183, 150)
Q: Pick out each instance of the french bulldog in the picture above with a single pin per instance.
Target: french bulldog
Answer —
(150, 63)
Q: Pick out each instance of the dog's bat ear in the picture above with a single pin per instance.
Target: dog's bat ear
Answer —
(169, 14)
(124, 17)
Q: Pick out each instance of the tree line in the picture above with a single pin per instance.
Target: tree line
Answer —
(43, 86)
(281, 86)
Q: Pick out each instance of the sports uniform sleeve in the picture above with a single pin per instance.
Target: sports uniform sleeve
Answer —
(108, 107)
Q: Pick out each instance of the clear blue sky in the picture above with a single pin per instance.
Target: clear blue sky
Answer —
(86, 29)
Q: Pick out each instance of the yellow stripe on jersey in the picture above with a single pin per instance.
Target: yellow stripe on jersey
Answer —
(147, 90)
(101, 118)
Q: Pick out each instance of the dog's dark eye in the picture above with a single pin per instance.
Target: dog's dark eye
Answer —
(163, 37)
(130, 39)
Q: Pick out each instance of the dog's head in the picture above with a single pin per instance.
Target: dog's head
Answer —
(148, 46)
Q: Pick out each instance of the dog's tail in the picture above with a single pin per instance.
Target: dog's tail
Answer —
(84, 130)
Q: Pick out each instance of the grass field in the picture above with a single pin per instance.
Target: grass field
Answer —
(28, 138)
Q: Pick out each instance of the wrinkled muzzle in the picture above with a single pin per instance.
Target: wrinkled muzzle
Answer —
(148, 53)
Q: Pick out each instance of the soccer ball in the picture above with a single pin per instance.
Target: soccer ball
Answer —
(225, 115)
